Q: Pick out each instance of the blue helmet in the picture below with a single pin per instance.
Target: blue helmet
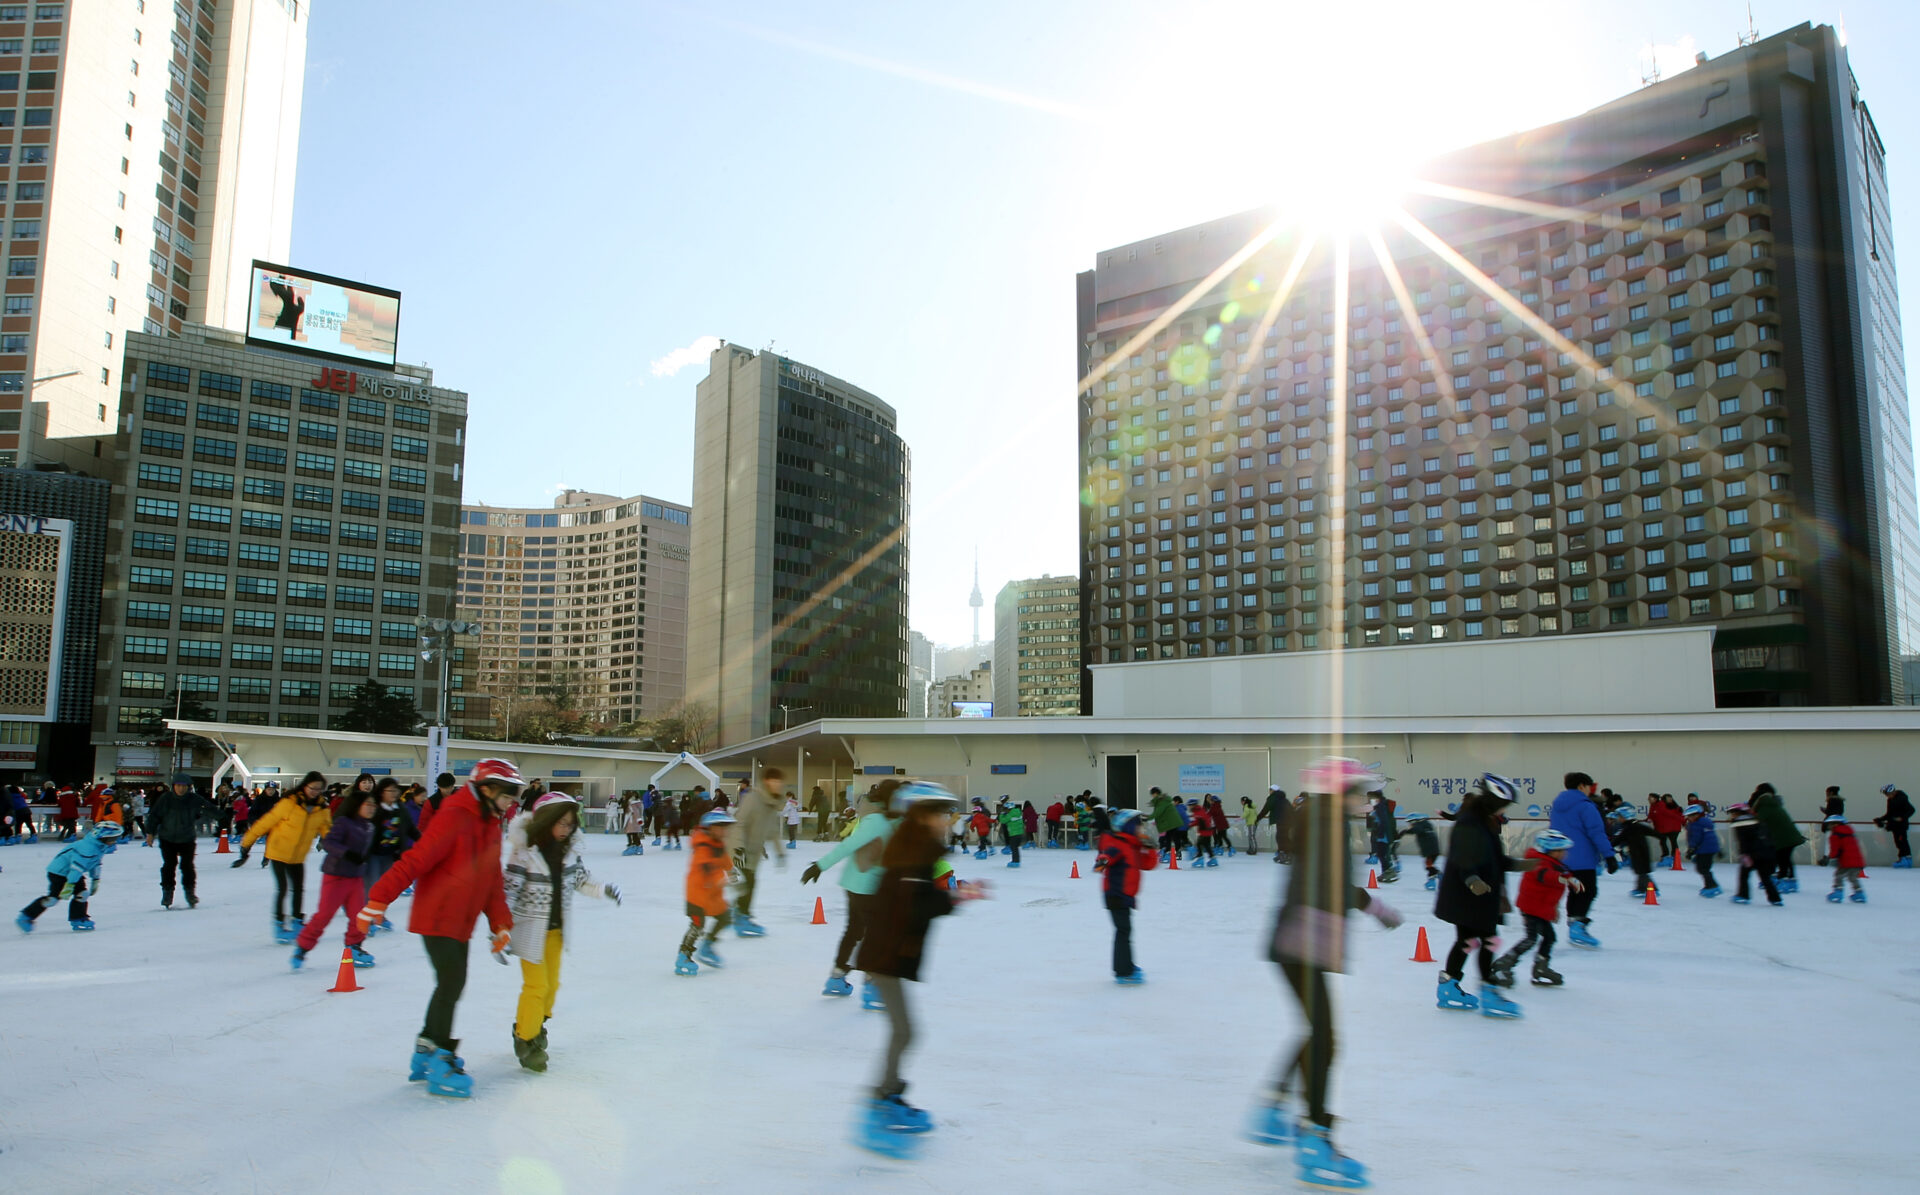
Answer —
(1553, 840)
(108, 831)
(1696, 810)
(1499, 788)
(917, 792)
(1126, 820)
(718, 817)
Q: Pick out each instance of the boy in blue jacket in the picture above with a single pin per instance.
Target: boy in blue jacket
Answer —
(67, 876)
(1577, 816)
(1703, 843)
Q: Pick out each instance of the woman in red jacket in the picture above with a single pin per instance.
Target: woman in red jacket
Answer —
(1669, 822)
(455, 872)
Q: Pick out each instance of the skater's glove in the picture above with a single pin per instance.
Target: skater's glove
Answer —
(1384, 913)
(811, 874)
(1478, 886)
(1613, 865)
(1575, 885)
(502, 943)
(67, 892)
(241, 861)
(612, 891)
(369, 913)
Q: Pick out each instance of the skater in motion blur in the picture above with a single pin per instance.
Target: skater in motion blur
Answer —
(861, 851)
(1849, 861)
(1122, 858)
(1894, 821)
(1427, 840)
(1703, 843)
(706, 893)
(455, 873)
(1539, 905)
(904, 907)
(759, 828)
(68, 876)
(1771, 812)
(1473, 896)
(1309, 940)
(1755, 847)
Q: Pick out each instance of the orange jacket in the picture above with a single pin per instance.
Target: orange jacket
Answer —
(111, 810)
(707, 874)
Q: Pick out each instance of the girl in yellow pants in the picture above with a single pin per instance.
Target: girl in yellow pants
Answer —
(543, 872)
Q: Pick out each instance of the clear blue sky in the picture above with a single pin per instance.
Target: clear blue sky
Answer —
(569, 191)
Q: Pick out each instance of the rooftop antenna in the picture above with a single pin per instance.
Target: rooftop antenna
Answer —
(1751, 35)
(1651, 75)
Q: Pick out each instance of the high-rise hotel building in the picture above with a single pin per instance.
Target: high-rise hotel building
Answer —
(587, 597)
(798, 595)
(147, 155)
(1704, 419)
(1036, 647)
(278, 528)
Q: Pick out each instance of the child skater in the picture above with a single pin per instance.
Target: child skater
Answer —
(861, 851)
(1122, 858)
(1309, 941)
(905, 906)
(543, 872)
(290, 828)
(1428, 841)
(706, 893)
(69, 874)
(671, 818)
(1202, 821)
(1703, 843)
(1751, 839)
(638, 814)
(1472, 893)
(1849, 862)
(343, 885)
(1539, 905)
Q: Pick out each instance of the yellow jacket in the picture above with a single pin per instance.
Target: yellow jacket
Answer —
(290, 828)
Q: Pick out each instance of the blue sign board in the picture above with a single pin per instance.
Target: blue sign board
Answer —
(875, 769)
(1009, 769)
(557, 772)
(1199, 778)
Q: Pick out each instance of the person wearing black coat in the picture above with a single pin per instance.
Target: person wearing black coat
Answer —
(1274, 812)
(1637, 837)
(1473, 894)
(1755, 849)
(1895, 821)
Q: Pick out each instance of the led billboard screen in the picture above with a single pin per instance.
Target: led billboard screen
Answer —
(329, 317)
(973, 709)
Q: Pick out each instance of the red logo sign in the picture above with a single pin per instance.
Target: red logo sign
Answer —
(344, 381)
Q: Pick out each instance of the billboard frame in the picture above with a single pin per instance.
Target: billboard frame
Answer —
(253, 296)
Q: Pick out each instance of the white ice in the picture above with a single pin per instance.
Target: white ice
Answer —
(1705, 1048)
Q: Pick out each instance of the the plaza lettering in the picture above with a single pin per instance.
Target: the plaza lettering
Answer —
(340, 380)
(347, 381)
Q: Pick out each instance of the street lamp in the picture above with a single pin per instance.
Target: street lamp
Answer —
(786, 713)
(436, 643)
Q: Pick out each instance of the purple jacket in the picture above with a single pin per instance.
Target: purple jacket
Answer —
(349, 835)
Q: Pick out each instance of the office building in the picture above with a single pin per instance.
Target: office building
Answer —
(798, 606)
(585, 600)
(1701, 419)
(154, 159)
(274, 536)
(53, 529)
(968, 695)
(1036, 647)
(919, 674)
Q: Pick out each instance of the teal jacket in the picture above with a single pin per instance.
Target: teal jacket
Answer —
(861, 850)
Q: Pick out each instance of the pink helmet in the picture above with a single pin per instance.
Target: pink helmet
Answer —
(497, 771)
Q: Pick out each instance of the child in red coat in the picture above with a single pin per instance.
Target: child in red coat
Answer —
(1122, 858)
(1849, 863)
(1539, 905)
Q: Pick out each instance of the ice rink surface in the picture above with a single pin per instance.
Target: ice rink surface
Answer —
(1706, 1048)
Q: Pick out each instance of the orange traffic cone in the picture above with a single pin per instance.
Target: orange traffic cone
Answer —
(1422, 953)
(1173, 861)
(344, 982)
(1676, 861)
(819, 911)
(1653, 894)
(1373, 879)
(1076, 870)
(223, 848)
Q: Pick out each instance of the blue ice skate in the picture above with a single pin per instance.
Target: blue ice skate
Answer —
(878, 1129)
(656, 842)
(283, 934)
(708, 956)
(1710, 892)
(298, 960)
(982, 853)
(1373, 858)
(1134, 980)
(747, 927)
(1835, 896)
(870, 998)
(1859, 898)
(1270, 1125)
(1213, 861)
(631, 850)
(639, 849)
(1321, 1165)
(81, 925)
(1493, 1003)
(385, 925)
(1785, 886)
(1451, 995)
(1580, 935)
(446, 1076)
(684, 965)
(24, 922)
(1666, 861)
(1743, 900)
(1013, 863)
(360, 957)
(1433, 882)
(1904, 863)
(1006, 850)
(837, 985)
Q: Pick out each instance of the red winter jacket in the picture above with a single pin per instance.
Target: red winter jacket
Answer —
(1122, 858)
(455, 870)
(1666, 819)
(1843, 847)
(1540, 888)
